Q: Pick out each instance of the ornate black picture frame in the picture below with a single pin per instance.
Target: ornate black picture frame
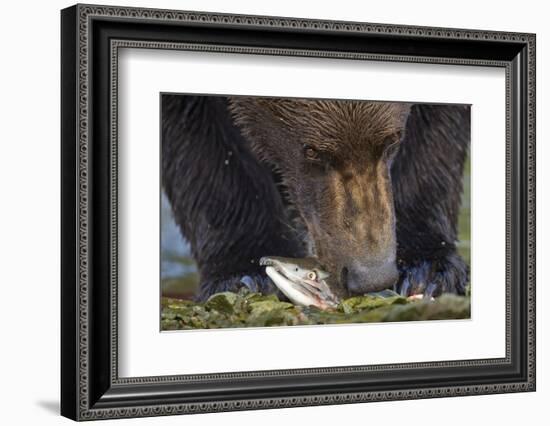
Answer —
(91, 36)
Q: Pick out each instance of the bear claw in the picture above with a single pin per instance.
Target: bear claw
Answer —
(249, 283)
(433, 278)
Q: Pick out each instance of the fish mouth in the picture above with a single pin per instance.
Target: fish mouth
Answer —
(268, 261)
(299, 290)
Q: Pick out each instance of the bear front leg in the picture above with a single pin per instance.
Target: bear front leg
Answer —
(224, 200)
(432, 278)
(427, 179)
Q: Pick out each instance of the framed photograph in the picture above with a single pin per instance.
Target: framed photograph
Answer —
(263, 212)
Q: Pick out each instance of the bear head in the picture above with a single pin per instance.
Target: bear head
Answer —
(334, 159)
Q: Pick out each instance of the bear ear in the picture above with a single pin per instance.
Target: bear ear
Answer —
(241, 108)
(253, 120)
(406, 109)
(263, 109)
(404, 112)
(249, 112)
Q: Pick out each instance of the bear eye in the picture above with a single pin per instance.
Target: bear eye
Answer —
(311, 154)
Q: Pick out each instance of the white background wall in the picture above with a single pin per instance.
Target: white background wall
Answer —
(29, 212)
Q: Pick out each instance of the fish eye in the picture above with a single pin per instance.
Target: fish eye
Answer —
(312, 275)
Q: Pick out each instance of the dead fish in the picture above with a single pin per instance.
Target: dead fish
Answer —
(303, 281)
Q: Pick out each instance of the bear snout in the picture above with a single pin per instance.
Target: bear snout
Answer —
(366, 278)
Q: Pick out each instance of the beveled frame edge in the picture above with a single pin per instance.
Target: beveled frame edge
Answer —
(75, 303)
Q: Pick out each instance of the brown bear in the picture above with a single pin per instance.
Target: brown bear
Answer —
(372, 189)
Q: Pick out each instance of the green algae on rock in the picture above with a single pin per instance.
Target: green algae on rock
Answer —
(246, 309)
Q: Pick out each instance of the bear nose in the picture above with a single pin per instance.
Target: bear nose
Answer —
(366, 278)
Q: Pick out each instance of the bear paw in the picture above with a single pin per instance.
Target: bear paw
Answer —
(256, 283)
(432, 278)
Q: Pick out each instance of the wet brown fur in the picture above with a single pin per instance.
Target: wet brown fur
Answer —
(250, 177)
